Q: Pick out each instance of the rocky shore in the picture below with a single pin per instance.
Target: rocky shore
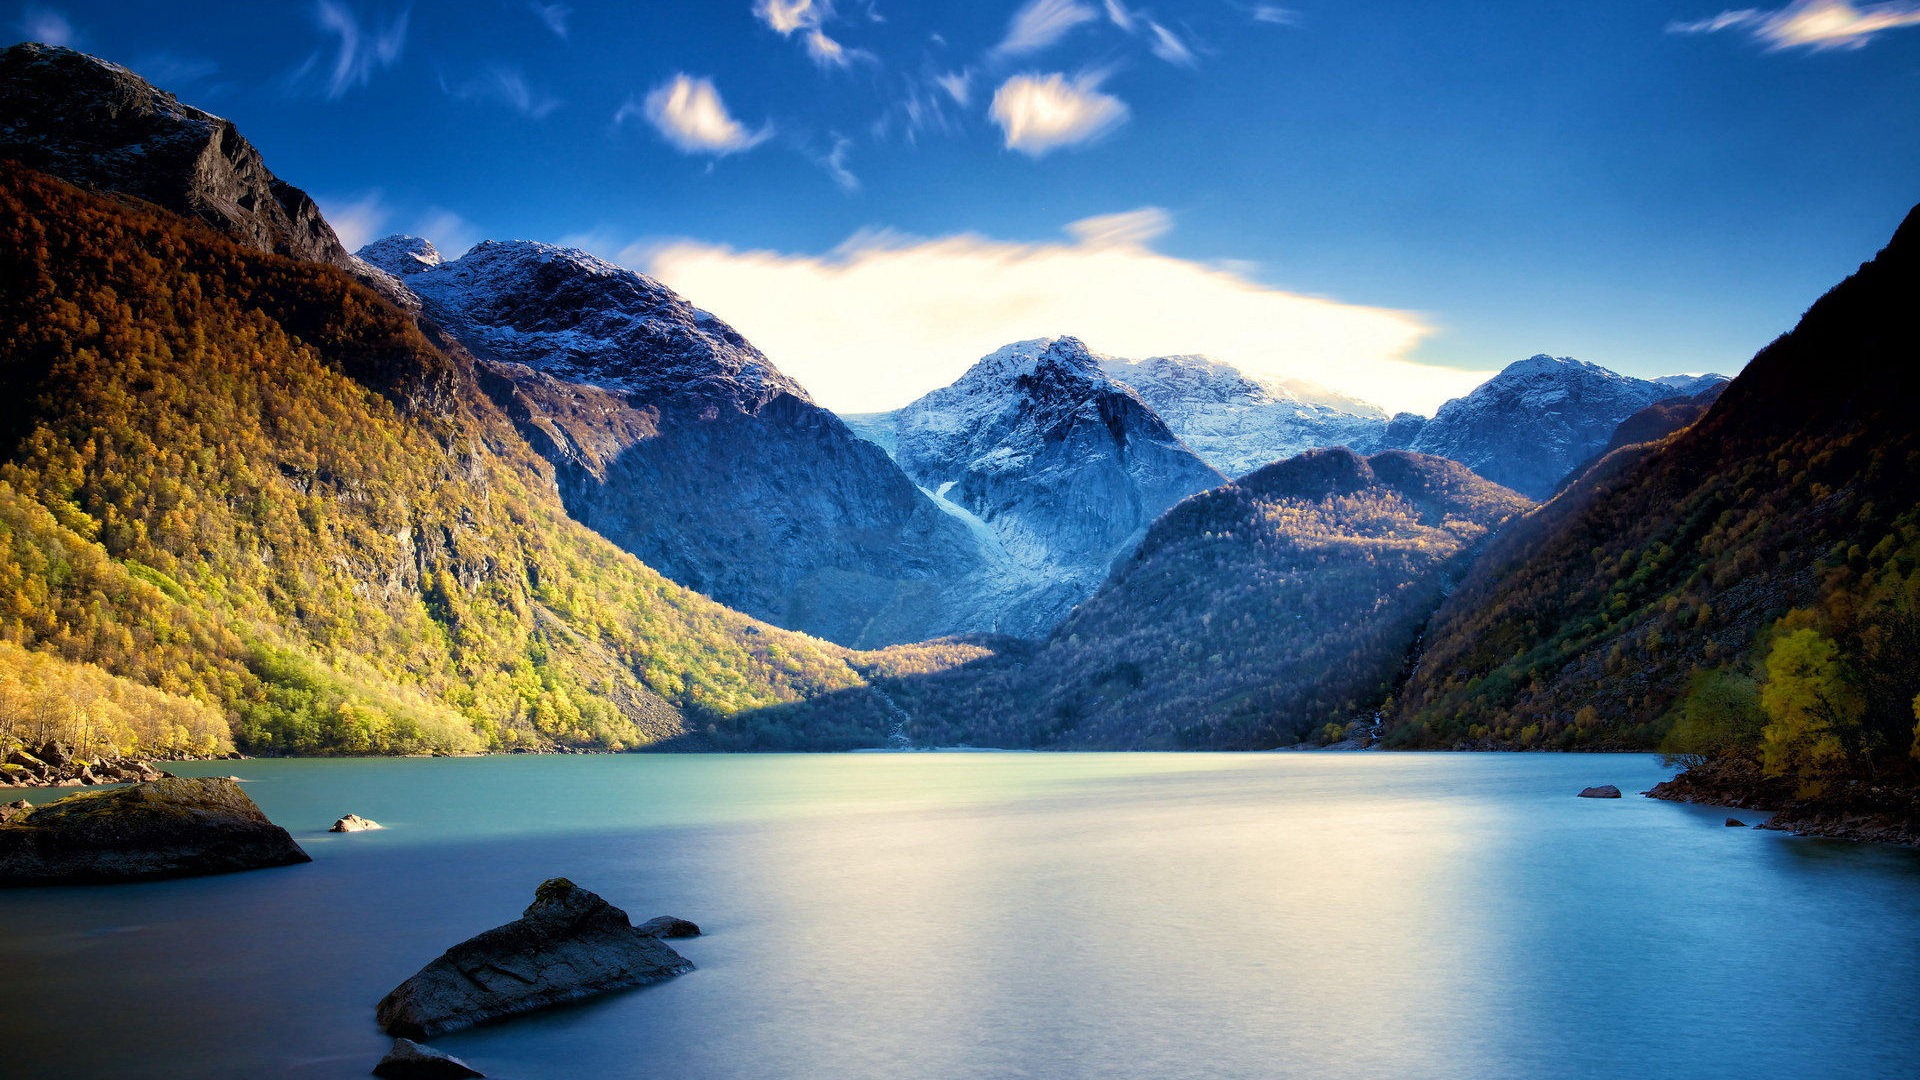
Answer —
(174, 827)
(55, 764)
(1853, 810)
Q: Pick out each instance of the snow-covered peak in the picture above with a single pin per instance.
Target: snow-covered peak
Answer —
(400, 255)
(582, 319)
(1192, 379)
(1061, 356)
(1690, 385)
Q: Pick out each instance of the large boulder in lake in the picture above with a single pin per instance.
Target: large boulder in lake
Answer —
(174, 827)
(1604, 791)
(570, 944)
(408, 1060)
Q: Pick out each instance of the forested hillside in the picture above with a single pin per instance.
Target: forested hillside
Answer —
(248, 482)
(1747, 589)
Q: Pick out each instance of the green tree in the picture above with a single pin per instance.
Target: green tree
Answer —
(1813, 711)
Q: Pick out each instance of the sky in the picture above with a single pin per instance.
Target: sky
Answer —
(1393, 199)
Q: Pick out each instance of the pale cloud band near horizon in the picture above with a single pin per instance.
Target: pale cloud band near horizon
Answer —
(885, 318)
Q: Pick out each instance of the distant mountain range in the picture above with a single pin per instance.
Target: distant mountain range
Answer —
(394, 502)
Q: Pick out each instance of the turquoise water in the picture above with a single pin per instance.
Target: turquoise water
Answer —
(961, 916)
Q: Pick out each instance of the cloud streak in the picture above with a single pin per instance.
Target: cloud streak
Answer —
(505, 86)
(1042, 22)
(805, 18)
(1042, 113)
(358, 50)
(556, 17)
(1809, 24)
(689, 114)
(885, 318)
(48, 27)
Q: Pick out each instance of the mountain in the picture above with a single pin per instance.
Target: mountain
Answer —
(1057, 466)
(1747, 588)
(1532, 424)
(102, 127)
(245, 488)
(1238, 423)
(1251, 616)
(678, 440)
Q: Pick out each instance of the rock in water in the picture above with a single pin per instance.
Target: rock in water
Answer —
(1604, 791)
(167, 828)
(666, 926)
(1735, 823)
(570, 944)
(355, 823)
(408, 1060)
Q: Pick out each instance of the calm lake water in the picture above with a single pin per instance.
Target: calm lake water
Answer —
(960, 916)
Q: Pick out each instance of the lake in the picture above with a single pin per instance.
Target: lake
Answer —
(955, 916)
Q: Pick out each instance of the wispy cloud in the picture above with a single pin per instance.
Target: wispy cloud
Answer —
(835, 163)
(1810, 24)
(48, 27)
(688, 113)
(171, 70)
(557, 17)
(884, 318)
(359, 48)
(1041, 23)
(806, 17)
(504, 85)
(1042, 113)
(1167, 45)
(1129, 228)
(357, 220)
(1274, 14)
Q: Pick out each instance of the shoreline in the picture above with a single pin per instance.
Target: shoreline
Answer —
(1856, 811)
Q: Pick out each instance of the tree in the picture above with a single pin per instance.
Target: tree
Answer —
(1813, 711)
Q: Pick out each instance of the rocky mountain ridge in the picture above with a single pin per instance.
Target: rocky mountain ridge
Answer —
(98, 125)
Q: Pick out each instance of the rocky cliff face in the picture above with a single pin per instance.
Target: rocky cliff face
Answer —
(100, 126)
(1058, 467)
(1532, 424)
(1238, 423)
(677, 439)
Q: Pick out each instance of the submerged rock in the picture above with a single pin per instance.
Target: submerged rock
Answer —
(1604, 791)
(166, 828)
(570, 944)
(408, 1060)
(355, 823)
(1735, 823)
(666, 926)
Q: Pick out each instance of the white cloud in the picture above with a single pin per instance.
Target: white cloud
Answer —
(806, 17)
(358, 220)
(555, 16)
(1129, 228)
(787, 16)
(1041, 113)
(449, 232)
(885, 318)
(835, 162)
(1811, 24)
(689, 114)
(1167, 46)
(1273, 13)
(506, 86)
(1119, 16)
(358, 51)
(48, 27)
(1041, 23)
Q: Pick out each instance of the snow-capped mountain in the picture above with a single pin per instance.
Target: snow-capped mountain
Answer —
(100, 126)
(1541, 417)
(1055, 462)
(674, 437)
(1237, 422)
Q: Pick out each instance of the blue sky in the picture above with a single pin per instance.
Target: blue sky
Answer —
(1389, 197)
